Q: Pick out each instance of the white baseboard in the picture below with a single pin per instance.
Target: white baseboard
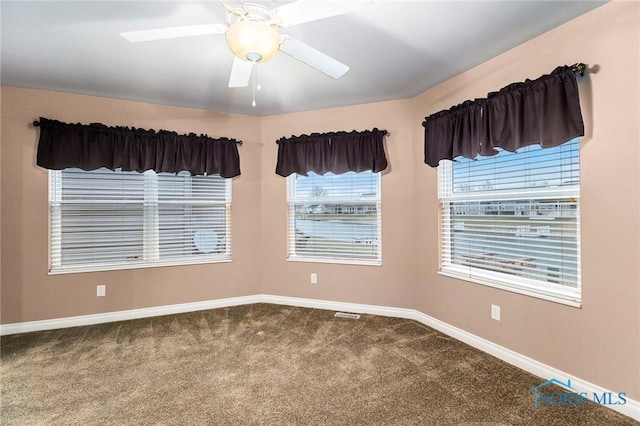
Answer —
(631, 408)
(26, 327)
(339, 306)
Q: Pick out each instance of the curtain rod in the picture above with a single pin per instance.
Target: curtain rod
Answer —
(579, 68)
(330, 134)
(36, 123)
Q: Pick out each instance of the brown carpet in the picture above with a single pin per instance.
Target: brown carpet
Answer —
(267, 365)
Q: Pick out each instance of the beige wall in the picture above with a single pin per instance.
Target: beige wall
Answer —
(28, 293)
(599, 342)
(391, 284)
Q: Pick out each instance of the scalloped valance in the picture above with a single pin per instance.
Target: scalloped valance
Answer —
(95, 145)
(335, 152)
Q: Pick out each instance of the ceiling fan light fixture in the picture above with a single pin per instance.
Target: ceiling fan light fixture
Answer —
(253, 41)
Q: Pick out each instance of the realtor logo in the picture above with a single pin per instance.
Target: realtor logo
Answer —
(573, 398)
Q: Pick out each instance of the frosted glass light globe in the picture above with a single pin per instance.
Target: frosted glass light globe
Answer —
(253, 41)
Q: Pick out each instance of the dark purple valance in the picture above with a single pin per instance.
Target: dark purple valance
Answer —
(458, 131)
(93, 146)
(543, 111)
(337, 152)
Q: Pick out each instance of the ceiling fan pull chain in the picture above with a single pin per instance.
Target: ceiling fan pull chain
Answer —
(253, 77)
(259, 86)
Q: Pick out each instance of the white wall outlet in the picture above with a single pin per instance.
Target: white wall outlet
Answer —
(314, 278)
(495, 312)
(101, 290)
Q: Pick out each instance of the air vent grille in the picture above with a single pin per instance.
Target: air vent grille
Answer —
(346, 315)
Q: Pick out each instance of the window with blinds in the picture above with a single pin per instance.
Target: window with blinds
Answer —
(335, 218)
(513, 221)
(104, 219)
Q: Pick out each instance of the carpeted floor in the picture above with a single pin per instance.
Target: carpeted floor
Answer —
(267, 365)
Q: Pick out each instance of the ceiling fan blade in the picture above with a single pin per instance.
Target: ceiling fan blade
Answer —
(312, 57)
(240, 73)
(174, 32)
(301, 11)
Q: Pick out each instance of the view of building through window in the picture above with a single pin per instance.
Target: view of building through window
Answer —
(335, 217)
(106, 219)
(513, 218)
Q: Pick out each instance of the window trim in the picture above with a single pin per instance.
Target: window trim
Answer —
(149, 235)
(103, 268)
(293, 257)
(488, 279)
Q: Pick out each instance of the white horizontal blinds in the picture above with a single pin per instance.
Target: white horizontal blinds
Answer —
(97, 218)
(109, 220)
(514, 217)
(193, 214)
(530, 169)
(335, 217)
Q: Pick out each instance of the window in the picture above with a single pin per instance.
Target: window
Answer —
(512, 221)
(102, 220)
(335, 218)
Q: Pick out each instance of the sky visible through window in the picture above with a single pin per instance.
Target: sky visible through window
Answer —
(346, 185)
(542, 167)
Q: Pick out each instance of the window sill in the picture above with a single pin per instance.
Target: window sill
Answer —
(335, 261)
(102, 268)
(565, 298)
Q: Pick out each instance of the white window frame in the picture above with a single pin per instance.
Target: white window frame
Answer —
(503, 280)
(151, 236)
(343, 201)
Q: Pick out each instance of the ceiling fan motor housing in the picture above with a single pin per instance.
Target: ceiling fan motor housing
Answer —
(252, 12)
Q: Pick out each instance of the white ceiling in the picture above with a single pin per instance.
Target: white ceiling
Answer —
(395, 49)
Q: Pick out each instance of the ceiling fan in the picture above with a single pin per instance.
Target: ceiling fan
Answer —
(251, 31)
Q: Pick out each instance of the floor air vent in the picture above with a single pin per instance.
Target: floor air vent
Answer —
(346, 315)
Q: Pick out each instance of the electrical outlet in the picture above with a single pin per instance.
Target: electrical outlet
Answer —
(314, 278)
(495, 312)
(101, 290)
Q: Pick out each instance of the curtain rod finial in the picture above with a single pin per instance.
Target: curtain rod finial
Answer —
(36, 123)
